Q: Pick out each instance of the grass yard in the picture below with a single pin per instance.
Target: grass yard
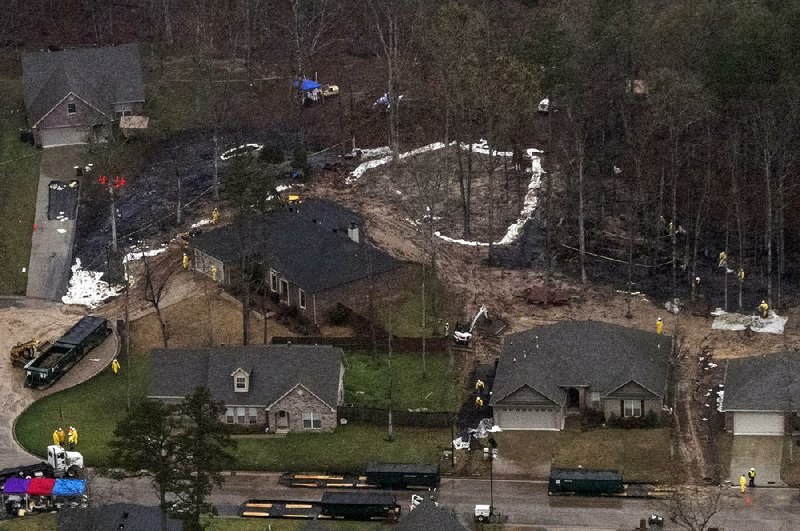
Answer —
(93, 407)
(351, 447)
(37, 522)
(404, 316)
(366, 382)
(19, 178)
(641, 455)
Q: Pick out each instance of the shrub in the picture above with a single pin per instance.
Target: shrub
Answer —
(592, 418)
(339, 316)
(651, 420)
(613, 421)
(300, 162)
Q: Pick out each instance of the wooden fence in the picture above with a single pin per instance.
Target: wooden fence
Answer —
(401, 417)
(399, 344)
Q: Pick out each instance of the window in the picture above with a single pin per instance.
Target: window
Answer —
(285, 291)
(252, 415)
(71, 108)
(241, 413)
(631, 408)
(595, 397)
(302, 299)
(241, 383)
(273, 280)
(230, 417)
(311, 421)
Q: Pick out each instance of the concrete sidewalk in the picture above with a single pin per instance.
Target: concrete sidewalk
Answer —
(51, 244)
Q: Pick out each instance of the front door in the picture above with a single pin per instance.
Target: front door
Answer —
(282, 420)
(573, 397)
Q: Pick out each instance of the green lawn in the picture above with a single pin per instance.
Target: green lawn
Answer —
(366, 382)
(19, 178)
(37, 522)
(350, 447)
(93, 407)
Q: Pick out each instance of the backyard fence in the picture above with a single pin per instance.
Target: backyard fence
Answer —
(399, 344)
(400, 418)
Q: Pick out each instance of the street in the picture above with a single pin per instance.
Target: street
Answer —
(525, 502)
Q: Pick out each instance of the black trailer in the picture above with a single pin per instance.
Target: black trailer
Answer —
(403, 476)
(359, 505)
(39, 470)
(48, 367)
(585, 481)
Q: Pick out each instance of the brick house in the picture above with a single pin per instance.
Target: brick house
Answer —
(549, 372)
(278, 388)
(311, 256)
(75, 96)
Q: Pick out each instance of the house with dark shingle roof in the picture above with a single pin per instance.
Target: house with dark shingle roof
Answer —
(278, 387)
(311, 256)
(760, 392)
(548, 372)
(74, 96)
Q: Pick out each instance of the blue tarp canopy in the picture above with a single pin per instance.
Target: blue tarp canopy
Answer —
(69, 487)
(307, 85)
(16, 486)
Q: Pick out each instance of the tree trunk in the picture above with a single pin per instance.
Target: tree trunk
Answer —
(215, 182)
(781, 232)
(579, 148)
(768, 228)
(424, 327)
(674, 222)
(657, 226)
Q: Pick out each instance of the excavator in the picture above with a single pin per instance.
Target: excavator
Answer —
(463, 335)
(22, 353)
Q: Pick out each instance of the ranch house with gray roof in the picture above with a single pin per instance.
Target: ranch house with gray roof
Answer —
(549, 372)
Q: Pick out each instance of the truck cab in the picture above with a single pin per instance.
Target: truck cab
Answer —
(65, 463)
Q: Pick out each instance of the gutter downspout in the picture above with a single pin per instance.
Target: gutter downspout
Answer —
(314, 303)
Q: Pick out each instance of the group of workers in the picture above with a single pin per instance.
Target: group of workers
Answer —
(743, 481)
(71, 437)
(480, 387)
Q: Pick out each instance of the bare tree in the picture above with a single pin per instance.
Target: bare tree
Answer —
(155, 284)
(693, 508)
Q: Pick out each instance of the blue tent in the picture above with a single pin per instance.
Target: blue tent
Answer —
(307, 85)
(69, 487)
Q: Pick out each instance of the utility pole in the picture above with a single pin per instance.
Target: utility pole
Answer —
(113, 184)
(127, 336)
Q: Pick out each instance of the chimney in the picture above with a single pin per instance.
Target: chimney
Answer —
(352, 232)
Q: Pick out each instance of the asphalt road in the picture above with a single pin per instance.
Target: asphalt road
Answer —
(525, 502)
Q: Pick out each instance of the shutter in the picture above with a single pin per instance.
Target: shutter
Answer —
(642, 407)
(621, 408)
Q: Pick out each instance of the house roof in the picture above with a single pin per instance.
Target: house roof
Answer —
(101, 76)
(115, 516)
(602, 356)
(308, 245)
(768, 382)
(274, 370)
(426, 516)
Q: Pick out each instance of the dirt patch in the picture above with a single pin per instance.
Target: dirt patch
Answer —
(200, 321)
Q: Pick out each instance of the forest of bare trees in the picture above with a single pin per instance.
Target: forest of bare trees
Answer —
(671, 134)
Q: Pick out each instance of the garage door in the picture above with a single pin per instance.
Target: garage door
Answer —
(529, 418)
(757, 423)
(64, 136)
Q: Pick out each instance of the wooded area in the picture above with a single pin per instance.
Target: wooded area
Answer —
(672, 126)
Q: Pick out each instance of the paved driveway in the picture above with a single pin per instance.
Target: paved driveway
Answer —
(51, 244)
(764, 453)
(45, 321)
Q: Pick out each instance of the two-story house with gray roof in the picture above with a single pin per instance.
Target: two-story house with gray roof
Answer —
(74, 96)
(548, 372)
(278, 387)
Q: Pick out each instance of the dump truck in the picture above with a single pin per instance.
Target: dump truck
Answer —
(44, 370)
(60, 463)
